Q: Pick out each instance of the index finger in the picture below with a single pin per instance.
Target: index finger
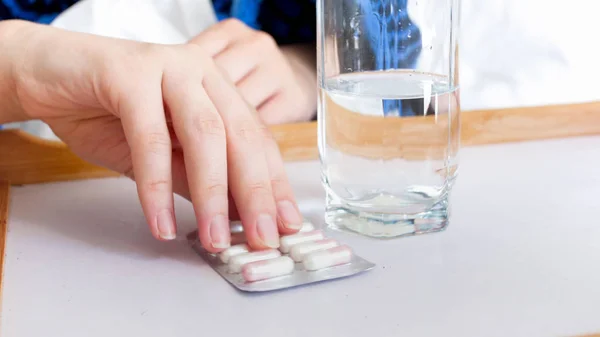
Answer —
(145, 128)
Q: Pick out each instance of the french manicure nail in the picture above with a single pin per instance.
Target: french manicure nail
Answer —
(289, 214)
(267, 230)
(219, 232)
(166, 225)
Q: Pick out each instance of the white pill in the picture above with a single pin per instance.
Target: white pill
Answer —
(236, 263)
(262, 270)
(288, 241)
(236, 226)
(298, 251)
(327, 258)
(307, 227)
(233, 251)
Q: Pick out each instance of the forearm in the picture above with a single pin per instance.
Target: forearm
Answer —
(10, 109)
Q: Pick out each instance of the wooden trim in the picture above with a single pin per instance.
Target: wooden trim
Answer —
(299, 141)
(532, 123)
(4, 203)
(25, 159)
(427, 137)
(29, 160)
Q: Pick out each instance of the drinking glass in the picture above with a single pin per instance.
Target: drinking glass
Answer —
(389, 113)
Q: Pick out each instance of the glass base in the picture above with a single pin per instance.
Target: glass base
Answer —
(386, 225)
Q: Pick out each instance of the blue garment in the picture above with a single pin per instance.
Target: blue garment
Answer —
(289, 21)
(41, 11)
(398, 48)
(244, 10)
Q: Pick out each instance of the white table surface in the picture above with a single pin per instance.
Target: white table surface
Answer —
(521, 258)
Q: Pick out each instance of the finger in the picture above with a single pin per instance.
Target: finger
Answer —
(259, 86)
(146, 131)
(218, 37)
(201, 133)
(289, 218)
(181, 186)
(243, 56)
(248, 172)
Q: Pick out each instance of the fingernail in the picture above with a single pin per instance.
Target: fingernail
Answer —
(267, 230)
(166, 225)
(219, 232)
(289, 214)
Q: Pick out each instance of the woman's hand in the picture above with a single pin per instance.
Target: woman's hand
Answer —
(165, 116)
(279, 82)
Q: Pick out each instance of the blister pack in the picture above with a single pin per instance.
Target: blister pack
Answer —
(302, 258)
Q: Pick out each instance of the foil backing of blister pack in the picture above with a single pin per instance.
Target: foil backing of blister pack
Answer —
(298, 278)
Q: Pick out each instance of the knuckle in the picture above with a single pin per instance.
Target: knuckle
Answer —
(280, 183)
(193, 54)
(253, 133)
(208, 126)
(264, 39)
(180, 82)
(259, 190)
(158, 185)
(120, 73)
(234, 24)
(157, 142)
(193, 49)
(197, 56)
(217, 189)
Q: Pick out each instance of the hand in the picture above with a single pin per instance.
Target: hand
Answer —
(279, 83)
(165, 116)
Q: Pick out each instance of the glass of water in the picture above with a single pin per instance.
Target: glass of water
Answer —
(389, 113)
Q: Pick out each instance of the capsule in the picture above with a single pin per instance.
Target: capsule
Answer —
(262, 270)
(307, 227)
(327, 258)
(236, 263)
(300, 250)
(233, 251)
(288, 241)
(236, 226)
